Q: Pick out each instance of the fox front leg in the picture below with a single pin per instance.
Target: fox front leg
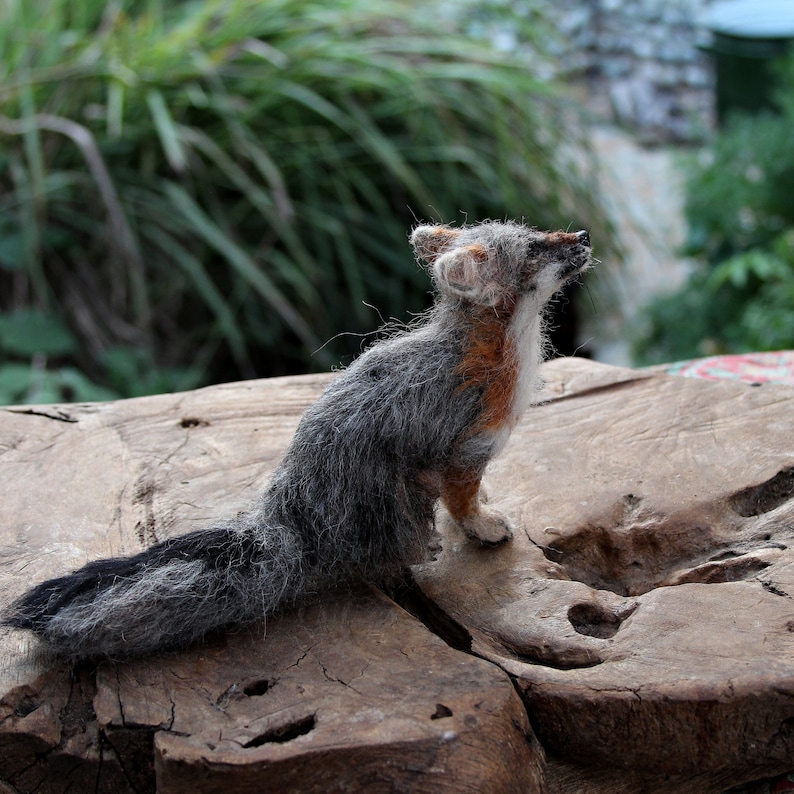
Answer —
(461, 495)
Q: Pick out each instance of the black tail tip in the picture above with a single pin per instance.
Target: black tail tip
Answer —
(16, 618)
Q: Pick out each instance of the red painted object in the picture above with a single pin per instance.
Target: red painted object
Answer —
(752, 368)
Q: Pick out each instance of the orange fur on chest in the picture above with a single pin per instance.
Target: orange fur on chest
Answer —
(490, 363)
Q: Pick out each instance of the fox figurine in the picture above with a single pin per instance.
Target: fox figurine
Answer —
(413, 420)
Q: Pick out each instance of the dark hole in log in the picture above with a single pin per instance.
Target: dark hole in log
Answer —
(257, 688)
(284, 733)
(770, 588)
(25, 706)
(192, 421)
(594, 620)
(760, 499)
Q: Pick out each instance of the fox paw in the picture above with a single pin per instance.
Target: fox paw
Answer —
(488, 528)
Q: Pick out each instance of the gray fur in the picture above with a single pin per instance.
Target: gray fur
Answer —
(355, 493)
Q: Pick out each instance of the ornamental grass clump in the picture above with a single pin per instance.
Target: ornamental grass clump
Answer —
(209, 190)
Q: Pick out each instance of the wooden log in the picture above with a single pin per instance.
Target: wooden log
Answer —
(644, 609)
(351, 694)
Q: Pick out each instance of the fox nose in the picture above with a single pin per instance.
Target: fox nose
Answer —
(584, 237)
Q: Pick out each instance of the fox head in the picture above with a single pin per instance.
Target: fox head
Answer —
(496, 263)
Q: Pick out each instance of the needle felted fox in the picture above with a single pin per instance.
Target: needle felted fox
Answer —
(414, 419)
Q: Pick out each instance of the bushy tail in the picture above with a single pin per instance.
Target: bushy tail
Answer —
(167, 596)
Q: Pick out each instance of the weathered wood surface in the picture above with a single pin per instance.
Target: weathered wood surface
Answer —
(646, 606)
(644, 610)
(352, 695)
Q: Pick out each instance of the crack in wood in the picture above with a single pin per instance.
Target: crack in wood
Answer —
(58, 415)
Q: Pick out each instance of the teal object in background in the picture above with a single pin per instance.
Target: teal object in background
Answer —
(748, 36)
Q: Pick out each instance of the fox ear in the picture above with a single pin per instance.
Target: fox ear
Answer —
(463, 273)
(429, 241)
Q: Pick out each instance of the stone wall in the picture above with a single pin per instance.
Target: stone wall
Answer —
(642, 58)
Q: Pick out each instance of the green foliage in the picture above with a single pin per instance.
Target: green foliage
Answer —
(28, 333)
(30, 341)
(745, 303)
(740, 209)
(131, 372)
(741, 197)
(220, 185)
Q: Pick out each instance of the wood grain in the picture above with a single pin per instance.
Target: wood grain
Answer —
(646, 605)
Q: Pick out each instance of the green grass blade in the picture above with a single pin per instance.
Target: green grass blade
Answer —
(166, 130)
(207, 290)
(239, 260)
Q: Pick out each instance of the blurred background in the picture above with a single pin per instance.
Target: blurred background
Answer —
(203, 191)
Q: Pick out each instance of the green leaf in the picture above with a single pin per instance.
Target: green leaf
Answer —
(73, 386)
(12, 251)
(14, 383)
(28, 332)
(133, 373)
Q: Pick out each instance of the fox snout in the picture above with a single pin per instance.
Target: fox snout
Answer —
(578, 260)
(566, 240)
